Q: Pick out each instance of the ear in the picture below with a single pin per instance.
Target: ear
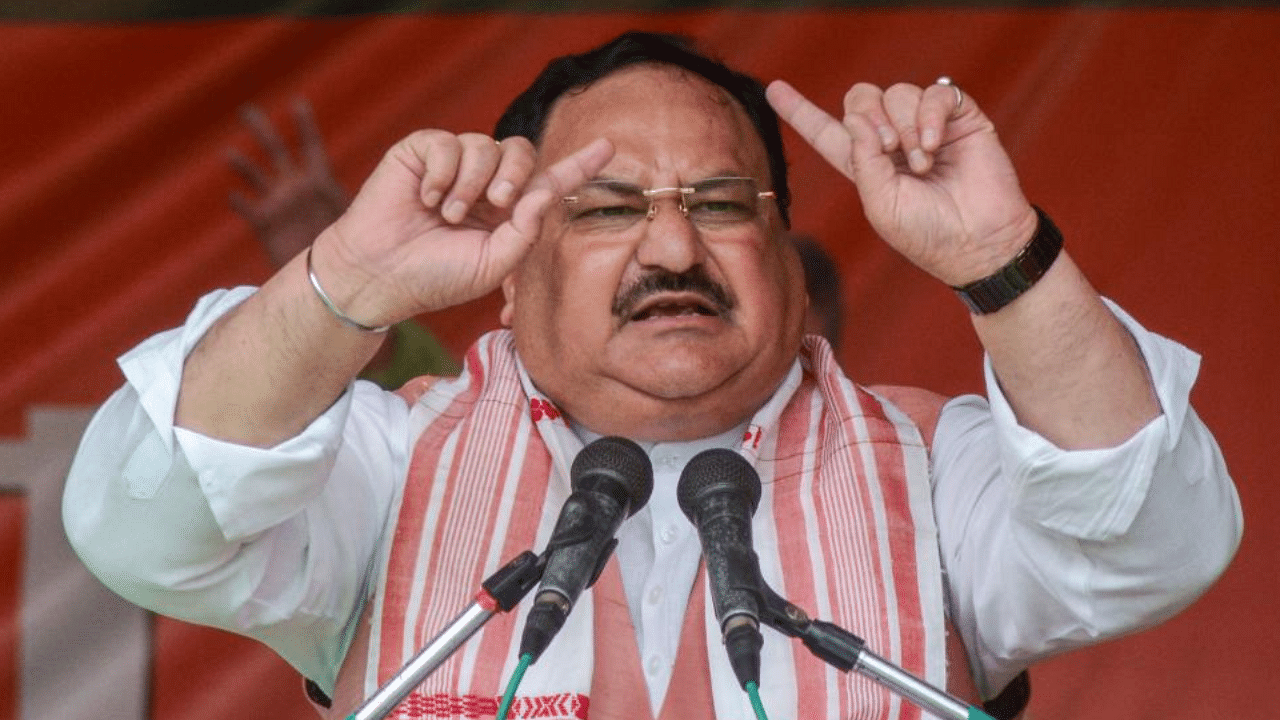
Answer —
(509, 300)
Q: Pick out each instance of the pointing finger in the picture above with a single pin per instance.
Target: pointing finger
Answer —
(819, 129)
(556, 181)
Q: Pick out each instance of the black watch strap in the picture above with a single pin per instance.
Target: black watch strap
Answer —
(1026, 268)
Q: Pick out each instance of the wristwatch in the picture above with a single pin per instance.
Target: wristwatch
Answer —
(1026, 268)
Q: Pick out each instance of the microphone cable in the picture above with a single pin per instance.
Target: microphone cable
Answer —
(753, 692)
(516, 676)
(504, 708)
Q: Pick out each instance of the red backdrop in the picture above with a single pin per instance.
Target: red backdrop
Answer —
(1149, 135)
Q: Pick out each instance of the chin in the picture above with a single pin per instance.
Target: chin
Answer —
(679, 370)
(676, 388)
(676, 395)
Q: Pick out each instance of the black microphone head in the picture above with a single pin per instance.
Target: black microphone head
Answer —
(719, 492)
(715, 471)
(617, 466)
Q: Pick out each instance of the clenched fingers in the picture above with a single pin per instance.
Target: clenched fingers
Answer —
(514, 170)
(938, 104)
(477, 158)
(907, 118)
(867, 102)
(902, 107)
(510, 240)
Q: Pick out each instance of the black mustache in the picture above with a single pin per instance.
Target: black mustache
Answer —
(695, 280)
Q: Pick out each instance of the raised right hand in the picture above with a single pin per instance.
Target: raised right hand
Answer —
(442, 220)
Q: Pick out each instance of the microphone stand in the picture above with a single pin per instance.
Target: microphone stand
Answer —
(846, 651)
(500, 592)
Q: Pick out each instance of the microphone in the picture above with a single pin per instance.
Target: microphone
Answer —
(611, 479)
(719, 492)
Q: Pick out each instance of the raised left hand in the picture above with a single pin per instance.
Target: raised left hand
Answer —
(934, 180)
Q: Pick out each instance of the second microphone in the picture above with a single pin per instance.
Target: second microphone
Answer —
(719, 492)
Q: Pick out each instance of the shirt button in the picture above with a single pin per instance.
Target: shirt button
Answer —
(668, 534)
(655, 595)
(654, 666)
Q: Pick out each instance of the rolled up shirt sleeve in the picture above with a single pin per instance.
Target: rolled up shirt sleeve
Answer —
(272, 543)
(1047, 550)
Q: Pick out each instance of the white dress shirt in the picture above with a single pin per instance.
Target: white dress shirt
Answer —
(1044, 549)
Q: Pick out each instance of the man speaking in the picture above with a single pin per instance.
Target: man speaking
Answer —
(632, 209)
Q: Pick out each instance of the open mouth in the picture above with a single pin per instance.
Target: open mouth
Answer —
(682, 305)
(670, 295)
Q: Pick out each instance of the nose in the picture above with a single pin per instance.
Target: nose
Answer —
(668, 239)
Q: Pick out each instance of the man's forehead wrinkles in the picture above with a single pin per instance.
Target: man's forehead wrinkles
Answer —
(714, 94)
(669, 127)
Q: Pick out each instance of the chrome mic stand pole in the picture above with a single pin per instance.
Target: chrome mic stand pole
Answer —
(500, 592)
(846, 651)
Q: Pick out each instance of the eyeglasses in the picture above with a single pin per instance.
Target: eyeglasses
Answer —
(712, 204)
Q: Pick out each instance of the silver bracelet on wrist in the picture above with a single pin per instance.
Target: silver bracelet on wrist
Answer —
(324, 298)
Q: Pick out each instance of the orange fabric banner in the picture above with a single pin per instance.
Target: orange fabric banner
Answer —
(1148, 135)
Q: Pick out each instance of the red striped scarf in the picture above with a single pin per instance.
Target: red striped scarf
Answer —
(845, 530)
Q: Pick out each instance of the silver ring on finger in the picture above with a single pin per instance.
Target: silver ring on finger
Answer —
(946, 80)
